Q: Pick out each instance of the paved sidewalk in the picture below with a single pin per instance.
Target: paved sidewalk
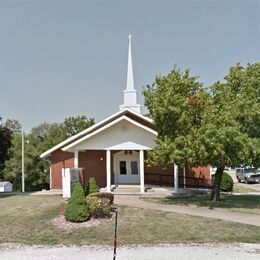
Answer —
(243, 218)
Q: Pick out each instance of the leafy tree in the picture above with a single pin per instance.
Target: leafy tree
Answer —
(12, 171)
(13, 125)
(176, 103)
(5, 144)
(40, 139)
(74, 125)
(245, 86)
(200, 128)
(47, 135)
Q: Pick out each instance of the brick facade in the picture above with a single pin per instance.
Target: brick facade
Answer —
(93, 163)
(59, 160)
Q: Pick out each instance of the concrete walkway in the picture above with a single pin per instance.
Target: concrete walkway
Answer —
(243, 218)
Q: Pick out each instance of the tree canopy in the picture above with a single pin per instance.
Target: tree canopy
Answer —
(40, 139)
(5, 144)
(219, 127)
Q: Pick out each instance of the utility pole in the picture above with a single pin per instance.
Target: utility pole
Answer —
(22, 161)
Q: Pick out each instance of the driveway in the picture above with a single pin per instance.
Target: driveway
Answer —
(167, 252)
(232, 173)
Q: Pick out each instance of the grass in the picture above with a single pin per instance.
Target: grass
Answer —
(26, 220)
(236, 203)
(242, 189)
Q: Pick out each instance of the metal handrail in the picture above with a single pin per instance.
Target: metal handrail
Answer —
(195, 182)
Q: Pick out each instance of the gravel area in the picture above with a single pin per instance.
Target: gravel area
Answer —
(163, 252)
(62, 223)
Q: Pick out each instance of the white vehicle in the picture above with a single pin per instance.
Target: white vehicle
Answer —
(248, 174)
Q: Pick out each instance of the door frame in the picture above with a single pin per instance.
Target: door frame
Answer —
(121, 156)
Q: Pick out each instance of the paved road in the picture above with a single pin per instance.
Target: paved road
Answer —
(170, 252)
(243, 218)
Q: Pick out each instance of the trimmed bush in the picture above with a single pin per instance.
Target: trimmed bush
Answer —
(107, 195)
(227, 182)
(98, 207)
(92, 186)
(77, 209)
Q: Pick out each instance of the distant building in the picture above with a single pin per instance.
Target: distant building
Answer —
(6, 186)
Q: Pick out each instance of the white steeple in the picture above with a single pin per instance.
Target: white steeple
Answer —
(130, 93)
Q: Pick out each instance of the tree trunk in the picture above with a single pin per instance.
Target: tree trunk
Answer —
(215, 193)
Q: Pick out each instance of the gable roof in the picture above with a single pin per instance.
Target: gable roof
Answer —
(146, 120)
(104, 127)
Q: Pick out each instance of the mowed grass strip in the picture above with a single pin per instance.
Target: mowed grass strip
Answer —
(27, 220)
(244, 189)
(236, 203)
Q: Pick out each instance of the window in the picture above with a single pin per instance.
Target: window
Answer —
(134, 168)
(122, 165)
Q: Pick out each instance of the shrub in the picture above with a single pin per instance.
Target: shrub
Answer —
(227, 182)
(107, 195)
(98, 207)
(77, 209)
(92, 186)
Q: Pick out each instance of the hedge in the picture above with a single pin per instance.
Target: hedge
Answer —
(227, 182)
(77, 209)
(98, 207)
(92, 186)
(107, 195)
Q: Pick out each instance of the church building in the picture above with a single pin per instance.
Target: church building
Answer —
(114, 150)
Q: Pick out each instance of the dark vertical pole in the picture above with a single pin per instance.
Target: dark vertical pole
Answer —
(115, 237)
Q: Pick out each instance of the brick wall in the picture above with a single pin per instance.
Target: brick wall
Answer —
(94, 164)
(155, 175)
(59, 160)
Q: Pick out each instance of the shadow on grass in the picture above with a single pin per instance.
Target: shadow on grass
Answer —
(227, 201)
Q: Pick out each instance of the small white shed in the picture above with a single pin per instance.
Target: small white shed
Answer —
(6, 186)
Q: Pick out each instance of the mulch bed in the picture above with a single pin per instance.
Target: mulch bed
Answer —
(62, 223)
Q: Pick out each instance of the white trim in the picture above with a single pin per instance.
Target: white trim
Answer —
(76, 159)
(129, 178)
(108, 170)
(107, 126)
(141, 156)
(176, 181)
(70, 139)
(50, 179)
(129, 146)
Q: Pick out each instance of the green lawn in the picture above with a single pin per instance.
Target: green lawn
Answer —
(27, 220)
(242, 189)
(236, 203)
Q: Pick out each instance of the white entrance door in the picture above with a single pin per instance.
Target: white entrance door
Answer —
(126, 169)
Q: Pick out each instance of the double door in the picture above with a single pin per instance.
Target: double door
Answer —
(127, 169)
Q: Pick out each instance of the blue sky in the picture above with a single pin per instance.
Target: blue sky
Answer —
(65, 58)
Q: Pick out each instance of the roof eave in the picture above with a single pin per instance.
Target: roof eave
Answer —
(78, 135)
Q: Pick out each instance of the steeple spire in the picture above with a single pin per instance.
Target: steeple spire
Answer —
(130, 93)
(130, 76)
